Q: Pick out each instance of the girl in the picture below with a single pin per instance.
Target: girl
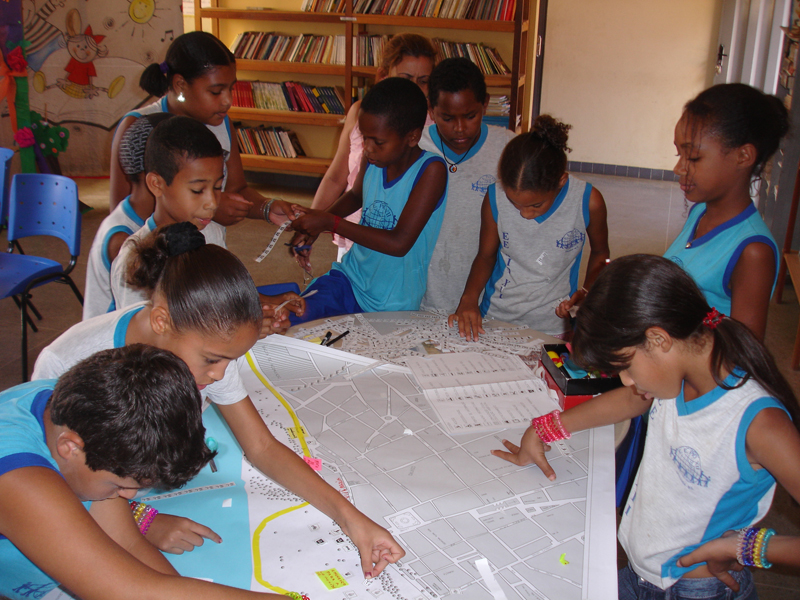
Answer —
(196, 80)
(205, 308)
(406, 55)
(724, 139)
(692, 370)
(532, 277)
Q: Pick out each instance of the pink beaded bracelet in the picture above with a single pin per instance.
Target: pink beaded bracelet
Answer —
(549, 428)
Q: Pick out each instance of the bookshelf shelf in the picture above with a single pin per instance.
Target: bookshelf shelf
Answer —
(284, 116)
(351, 25)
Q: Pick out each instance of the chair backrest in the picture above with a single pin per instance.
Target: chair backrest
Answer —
(5, 181)
(44, 204)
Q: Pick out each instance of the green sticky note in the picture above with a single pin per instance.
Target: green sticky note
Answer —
(332, 579)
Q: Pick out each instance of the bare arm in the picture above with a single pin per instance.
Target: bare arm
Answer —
(282, 465)
(468, 312)
(58, 535)
(609, 408)
(119, 186)
(751, 287)
(773, 443)
(334, 182)
(597, 231)
(395, 242)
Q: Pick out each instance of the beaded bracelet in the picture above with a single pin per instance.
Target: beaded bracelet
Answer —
(336, 220)
(549, 428)
(143, 514)
(751, 550)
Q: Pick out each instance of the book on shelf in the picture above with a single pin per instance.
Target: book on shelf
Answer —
(269, 141)
(487, 59)
(489, 10)
(288, 95)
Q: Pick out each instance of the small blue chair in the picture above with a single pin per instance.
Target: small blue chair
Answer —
(5, 179)
(41, 205)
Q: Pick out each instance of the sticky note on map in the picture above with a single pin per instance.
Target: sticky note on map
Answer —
(295, 432)
(332, 579)
(314, 463)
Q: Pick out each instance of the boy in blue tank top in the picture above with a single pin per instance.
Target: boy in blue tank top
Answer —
(401, 190)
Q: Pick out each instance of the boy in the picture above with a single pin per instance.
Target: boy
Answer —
(471, 149)
(401, 190)
(120, 420)
(129, 216)
(184, 171)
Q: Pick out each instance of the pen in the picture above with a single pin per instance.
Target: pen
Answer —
(326, 338)
(337, 338)
(300, 248)
(212, 445)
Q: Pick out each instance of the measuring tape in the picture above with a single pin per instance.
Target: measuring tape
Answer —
(273, 241)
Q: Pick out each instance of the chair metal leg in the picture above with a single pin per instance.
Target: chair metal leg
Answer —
(30, 321)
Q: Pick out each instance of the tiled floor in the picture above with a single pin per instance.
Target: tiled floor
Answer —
(643, 216)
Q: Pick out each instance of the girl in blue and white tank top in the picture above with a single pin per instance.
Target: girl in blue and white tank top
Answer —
(534, 223)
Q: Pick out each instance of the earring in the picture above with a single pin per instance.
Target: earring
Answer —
(181, 97)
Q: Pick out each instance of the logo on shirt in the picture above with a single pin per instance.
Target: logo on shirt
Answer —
(571, 240)
(677, 261)
(482, 185)
(687, 460)
(379, 215)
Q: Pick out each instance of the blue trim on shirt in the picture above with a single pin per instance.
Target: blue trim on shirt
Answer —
(492, 191)
(745, 468)
(151, 223)
(448, 153)
(127, 208)
(12, 462)
(227, 122)
(756, 239)
(499, 265)
(164, 104)
(685, 408)
(556, 203)
(107, 240)
(719, 228)
(587, 217)
(121, 330)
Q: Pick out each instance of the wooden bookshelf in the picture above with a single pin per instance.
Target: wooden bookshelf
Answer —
(350, 24)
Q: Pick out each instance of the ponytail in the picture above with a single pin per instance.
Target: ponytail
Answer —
(207, 289)
(190, 55)
(637, 292)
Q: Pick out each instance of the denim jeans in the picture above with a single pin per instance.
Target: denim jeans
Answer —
(633, 587)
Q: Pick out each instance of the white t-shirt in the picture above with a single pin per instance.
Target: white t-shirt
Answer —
(109, 331)
(124, 295)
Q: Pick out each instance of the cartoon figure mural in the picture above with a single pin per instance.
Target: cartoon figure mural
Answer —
(86, 56)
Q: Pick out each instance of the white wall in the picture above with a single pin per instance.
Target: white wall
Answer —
(620, 71)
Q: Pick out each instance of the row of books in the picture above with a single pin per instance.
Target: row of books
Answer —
(288, 95)
(367, 50)
(488, 59)
(269, 141)
(493, 10)
(498, 106)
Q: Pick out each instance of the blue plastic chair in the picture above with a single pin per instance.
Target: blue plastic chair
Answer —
(5, 179)
(42, 205)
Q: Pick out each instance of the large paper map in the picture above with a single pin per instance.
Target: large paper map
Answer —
(473, 526)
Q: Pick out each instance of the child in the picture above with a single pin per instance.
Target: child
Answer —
(183, 161)
(693, 371)
(402, 192)
(532, 276)
(724, 139)
(204, 307)
(196, 80)
(117, 421)
(471, 149)
(406, 55)
(129, 216)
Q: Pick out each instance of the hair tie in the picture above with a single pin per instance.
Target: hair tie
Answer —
(183, 237)
(713, 318)
(164, 67)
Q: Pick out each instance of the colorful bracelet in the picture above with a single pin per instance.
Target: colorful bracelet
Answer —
(336, 220)
(751, 550)
(549, 428)
(143, 514)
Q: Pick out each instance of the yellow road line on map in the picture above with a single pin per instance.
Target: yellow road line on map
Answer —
(298, 427)
(257, 549)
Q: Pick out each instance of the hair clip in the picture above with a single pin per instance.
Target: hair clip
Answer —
(164, 67)
(713, 318)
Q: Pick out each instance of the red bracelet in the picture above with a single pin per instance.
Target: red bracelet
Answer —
(336, 220)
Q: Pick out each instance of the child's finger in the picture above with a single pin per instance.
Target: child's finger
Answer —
(206, 532)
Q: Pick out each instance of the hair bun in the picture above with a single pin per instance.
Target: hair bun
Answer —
(183, 237)
(552, 131)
